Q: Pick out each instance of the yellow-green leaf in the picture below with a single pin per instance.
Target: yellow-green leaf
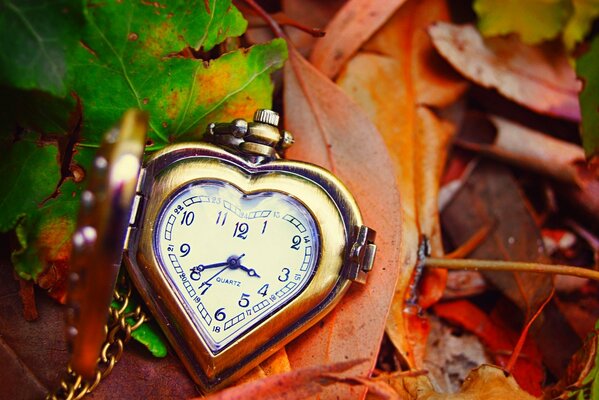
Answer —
(534, 20)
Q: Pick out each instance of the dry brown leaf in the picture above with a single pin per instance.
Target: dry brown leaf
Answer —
(525, 147)
(385, 87)
(539, 79)
(350, 28)
(486, 382)
(295, 385)
(492, 196)
(331, 131)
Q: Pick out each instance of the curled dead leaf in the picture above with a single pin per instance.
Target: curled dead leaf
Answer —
(534, 77)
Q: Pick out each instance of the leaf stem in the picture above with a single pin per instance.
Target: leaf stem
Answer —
(516, 266)
(274, 25)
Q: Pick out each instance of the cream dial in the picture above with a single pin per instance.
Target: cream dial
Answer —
(234, 259)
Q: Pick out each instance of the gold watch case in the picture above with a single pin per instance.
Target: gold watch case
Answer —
(336, 215)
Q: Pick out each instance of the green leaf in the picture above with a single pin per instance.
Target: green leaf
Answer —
(45, 236)
(128, 60)
(579, 25)
(147, 334)
(34, 38)
(583, 384)
(534, 20)
(29, 173)
(588, 72)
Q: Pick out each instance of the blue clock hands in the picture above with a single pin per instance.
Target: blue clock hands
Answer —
(232, 263)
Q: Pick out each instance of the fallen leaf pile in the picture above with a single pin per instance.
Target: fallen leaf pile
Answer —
(463, 129)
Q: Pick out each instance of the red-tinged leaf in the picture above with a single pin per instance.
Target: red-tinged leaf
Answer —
(350, 28)
(298, 384)
(499, 340)
(535, 77)
(331, 131)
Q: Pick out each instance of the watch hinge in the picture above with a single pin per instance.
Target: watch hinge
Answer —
(361, 256)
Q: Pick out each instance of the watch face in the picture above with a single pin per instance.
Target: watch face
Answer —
(234, 259)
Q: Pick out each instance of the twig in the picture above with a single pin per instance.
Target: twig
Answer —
(274, 25)
(515, 266)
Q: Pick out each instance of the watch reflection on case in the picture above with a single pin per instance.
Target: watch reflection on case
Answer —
(232, 258)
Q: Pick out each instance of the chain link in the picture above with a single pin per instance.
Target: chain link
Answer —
(73, 386)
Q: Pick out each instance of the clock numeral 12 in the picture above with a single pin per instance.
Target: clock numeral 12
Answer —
(241, 230)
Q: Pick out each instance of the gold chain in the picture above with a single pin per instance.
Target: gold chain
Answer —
(73, 386)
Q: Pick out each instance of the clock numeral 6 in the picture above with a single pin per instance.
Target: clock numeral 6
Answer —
(244, 301)
(241, 230)
(220, 315)
(297, 240)
(187, 218)
(284, 277)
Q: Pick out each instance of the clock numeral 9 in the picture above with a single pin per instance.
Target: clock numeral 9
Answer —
(185, 249)
(297, 240)
(244, 301)
(187, 218)
(241, 230)
(284, 277)
(220, 315)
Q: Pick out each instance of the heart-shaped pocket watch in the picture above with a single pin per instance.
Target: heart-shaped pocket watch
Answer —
(234, 250)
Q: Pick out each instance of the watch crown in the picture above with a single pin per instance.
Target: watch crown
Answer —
(267, 117)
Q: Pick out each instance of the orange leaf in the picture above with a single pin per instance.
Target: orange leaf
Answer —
(331, 131)
(388, 88)
(350, 28)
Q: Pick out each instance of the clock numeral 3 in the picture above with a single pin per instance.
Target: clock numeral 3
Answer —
(241, 230)
(263, 290)
(188, 217)
(220, 315)
(244, 301)
(297, 240)
(284, 277)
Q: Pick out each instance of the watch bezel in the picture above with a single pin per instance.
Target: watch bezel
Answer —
(324, 196)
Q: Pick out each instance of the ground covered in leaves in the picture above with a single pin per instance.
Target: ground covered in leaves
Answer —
(465, 129)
